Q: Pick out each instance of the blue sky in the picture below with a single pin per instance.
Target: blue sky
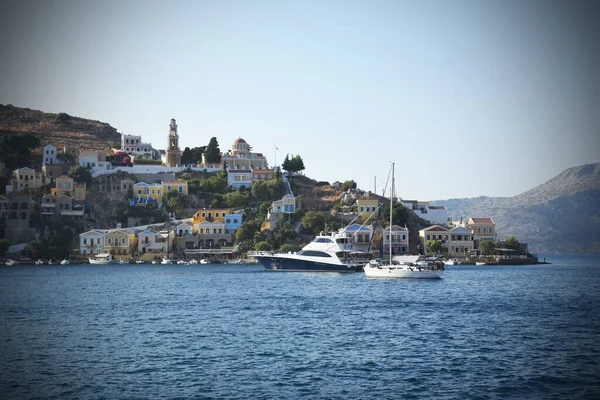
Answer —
(468, 98)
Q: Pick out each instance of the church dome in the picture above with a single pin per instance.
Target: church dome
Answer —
(239, 140)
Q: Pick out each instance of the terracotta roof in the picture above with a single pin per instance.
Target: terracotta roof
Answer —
(482, 220)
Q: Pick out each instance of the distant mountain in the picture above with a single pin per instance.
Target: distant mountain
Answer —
(559, 216)
(60, 130)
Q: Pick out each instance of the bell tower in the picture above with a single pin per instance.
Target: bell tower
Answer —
(173, 154)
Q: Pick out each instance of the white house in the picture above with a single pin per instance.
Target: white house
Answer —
(427, 211)
(92, 242)
(239, 177)
(95, 161)
(50, 155)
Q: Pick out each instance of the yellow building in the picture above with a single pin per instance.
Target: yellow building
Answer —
(210, 215)
(155, 191)
(79, 191)
(120, 243)
(64, 185)
(179, 187)
(366, 207)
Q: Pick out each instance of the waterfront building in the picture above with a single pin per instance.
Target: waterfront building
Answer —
(92, 242)
(184, 237)
(482, 228)
(173, 153)
(49, 155)
(214, 229)
(399, 240)
(461, 242)
(361, 236)
(119, 242)
(435, 232)
(155, 244)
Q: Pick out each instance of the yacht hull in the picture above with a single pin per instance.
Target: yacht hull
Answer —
(287, 264)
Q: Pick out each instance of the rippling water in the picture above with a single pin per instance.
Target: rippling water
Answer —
(168, 331)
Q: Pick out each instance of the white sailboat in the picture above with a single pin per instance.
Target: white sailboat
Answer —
(408, 268)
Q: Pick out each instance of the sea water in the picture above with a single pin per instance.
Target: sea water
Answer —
(238, 332)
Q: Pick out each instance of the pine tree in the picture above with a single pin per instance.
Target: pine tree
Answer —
(286, 163)
(213, 153)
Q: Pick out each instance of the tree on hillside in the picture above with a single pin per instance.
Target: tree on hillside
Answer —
(297, 164)
(193, 155)
(212, 153)
(286, 163)
(487, 246)
(313, 222)
(81, 174)
(400, 214)
(269, 190)
(63, 118)
(512, 243)
(348, 185)
(15, 149)
(294, 164)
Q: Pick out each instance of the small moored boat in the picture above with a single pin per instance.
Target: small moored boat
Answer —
(102, 258)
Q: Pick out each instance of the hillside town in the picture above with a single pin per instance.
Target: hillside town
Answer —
(139, 204)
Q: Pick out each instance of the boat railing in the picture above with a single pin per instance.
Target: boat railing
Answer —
(260, 253)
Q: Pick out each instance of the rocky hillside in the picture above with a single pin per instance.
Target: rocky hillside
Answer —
(60, 130)
(559, 216)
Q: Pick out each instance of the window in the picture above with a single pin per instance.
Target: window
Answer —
(362, 209)
(228, 221)
(428, 237)
(216, 215)
(84, 241)
(235, 220)
(484, 229)
(403, 238)
(123, 241)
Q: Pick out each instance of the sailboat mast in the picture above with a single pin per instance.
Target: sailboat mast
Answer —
(391, 209)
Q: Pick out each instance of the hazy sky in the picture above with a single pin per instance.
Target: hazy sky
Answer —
(468, 98)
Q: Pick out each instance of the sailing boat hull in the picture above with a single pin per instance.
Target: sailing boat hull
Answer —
(402, 272)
